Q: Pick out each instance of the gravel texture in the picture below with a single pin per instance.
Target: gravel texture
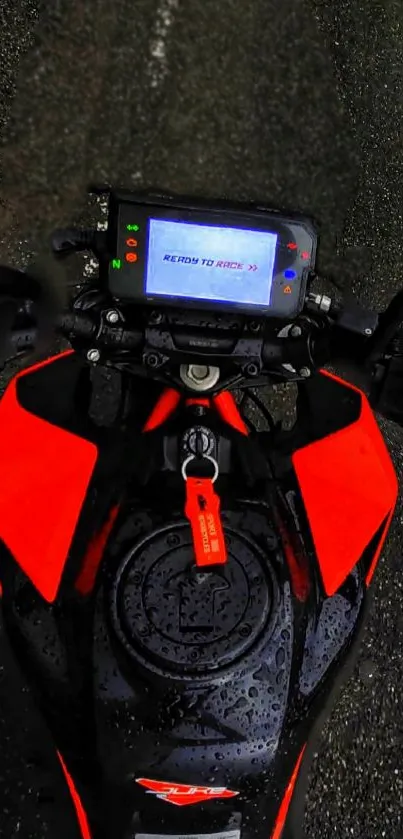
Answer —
(299, 103)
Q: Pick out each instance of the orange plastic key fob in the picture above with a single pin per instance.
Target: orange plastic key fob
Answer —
(203, 511)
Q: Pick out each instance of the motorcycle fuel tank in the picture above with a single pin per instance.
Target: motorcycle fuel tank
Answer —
(204, 683)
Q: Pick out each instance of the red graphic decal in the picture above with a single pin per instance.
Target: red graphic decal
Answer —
(184, 794)
(285, 804)
(167, 403)
(227, 408)
(81, 814)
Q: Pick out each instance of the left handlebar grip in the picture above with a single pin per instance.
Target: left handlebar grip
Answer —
(79, 325)
(66, 240)
(76, 325)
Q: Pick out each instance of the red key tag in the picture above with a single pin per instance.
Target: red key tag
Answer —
(203, 511)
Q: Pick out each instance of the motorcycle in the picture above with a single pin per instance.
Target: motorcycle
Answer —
(184, 583)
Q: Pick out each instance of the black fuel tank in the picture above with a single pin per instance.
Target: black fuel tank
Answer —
(202, 680)
(181, 700)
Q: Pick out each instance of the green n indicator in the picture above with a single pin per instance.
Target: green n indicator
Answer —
(116, 263)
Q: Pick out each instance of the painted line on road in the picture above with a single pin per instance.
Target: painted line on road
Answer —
(158, 65)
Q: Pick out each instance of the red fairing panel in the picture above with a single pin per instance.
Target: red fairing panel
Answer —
(45, 473)
(285, 804)
(349, 487)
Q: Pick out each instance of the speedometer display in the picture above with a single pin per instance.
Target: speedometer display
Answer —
(227, 258)
(205, 262)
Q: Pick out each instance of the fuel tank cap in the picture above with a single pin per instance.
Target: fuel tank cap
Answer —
(178, 618)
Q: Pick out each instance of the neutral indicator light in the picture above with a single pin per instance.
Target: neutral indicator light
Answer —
(116, 263)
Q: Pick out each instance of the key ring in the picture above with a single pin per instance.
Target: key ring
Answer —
(191, 457)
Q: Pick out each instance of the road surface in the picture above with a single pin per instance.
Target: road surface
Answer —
(299, 103)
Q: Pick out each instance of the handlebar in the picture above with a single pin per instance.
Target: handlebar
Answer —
(302, 349)
(323, 333)
(382, 373)
(104, 336)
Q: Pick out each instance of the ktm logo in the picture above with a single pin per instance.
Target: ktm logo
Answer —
(184, 794)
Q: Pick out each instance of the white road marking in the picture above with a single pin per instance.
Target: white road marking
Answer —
(157, 71)
(158, 66)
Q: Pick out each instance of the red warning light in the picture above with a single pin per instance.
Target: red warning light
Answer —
(131, 243)
(305, 254)
(131, 257)
(292, 246)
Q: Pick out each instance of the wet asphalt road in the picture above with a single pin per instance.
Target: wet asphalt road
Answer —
(299, 103)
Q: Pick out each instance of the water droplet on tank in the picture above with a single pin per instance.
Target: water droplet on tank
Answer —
(280, 657)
